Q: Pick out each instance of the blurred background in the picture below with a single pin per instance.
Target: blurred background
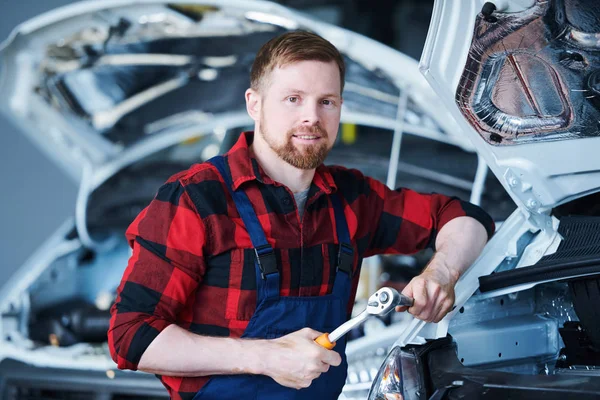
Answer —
(100, 92)
(36, 197)
(124, 97)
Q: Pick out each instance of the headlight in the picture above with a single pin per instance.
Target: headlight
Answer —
(398, 378)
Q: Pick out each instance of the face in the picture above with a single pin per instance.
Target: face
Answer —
(297, 111)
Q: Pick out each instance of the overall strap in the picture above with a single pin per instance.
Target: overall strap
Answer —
(341, 286)
(267, 274)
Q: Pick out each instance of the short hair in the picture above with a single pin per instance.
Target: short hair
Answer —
(292, 47)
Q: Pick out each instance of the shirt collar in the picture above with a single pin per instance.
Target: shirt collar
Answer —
(244, 167)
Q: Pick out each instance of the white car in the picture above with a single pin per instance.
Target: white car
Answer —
(521, 79)
(121, 95)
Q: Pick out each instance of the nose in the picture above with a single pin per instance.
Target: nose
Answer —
(310, 113)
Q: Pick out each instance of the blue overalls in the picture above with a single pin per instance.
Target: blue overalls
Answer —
(276, 316)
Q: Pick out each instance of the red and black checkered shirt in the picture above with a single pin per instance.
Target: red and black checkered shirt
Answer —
(193, 263)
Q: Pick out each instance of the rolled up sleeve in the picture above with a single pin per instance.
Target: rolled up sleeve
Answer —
(165, 268)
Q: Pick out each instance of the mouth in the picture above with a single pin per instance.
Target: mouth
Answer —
(306, 138)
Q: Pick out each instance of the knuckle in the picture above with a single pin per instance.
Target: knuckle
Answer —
(315, 354)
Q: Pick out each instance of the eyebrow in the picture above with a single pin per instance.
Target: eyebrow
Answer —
(303, 92)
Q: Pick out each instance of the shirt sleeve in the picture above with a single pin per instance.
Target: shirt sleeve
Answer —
(408, 221)
(165, 268)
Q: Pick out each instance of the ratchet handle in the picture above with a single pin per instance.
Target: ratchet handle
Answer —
(323, 340)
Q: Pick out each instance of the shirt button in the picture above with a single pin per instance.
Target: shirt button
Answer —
(287, 201)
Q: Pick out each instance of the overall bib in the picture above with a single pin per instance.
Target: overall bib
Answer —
(276, 316)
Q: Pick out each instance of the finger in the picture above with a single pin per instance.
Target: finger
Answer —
(314, 376)
(291, 383)
(437, 314)
(324, 367)
(331, 357)
(435, 299)
(445, 308)
(304, 384)
(427, 313)
(310, 333)
(419, 293)
(408, 291)
(445, 303)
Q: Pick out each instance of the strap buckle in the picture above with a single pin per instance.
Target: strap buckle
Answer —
(345, 258)
(265, 257)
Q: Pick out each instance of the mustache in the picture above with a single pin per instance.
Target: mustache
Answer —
(314, 130)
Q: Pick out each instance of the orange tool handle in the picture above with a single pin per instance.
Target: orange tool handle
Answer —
(323, 340)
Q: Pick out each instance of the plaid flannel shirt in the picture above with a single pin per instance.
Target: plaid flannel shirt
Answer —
(193, 261)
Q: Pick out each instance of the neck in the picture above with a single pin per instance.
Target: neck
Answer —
(280, 171)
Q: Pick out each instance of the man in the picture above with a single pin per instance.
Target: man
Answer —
(240, 263)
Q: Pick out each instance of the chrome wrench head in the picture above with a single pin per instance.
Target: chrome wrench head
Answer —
(385, 300)
(380, 303)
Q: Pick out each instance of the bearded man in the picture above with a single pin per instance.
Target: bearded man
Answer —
(241, 262)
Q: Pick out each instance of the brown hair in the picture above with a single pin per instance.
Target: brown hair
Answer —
(293, 47)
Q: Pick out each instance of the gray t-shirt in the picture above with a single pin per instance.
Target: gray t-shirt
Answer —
(301, 201)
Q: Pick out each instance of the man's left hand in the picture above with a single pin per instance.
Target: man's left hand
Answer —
(433, 291)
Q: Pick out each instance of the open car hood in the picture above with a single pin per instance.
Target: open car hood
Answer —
(524, 84)
(91, 81)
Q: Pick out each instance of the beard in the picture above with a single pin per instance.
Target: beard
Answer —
(308, 156)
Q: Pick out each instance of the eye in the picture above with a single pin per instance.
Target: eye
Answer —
(292, 99)
(327, 102)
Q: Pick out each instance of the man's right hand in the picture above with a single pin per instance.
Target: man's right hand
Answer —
(295, 360)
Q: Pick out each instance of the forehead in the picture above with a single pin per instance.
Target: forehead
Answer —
(309, 76)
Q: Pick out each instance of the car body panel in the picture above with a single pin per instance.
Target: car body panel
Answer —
(538, 173)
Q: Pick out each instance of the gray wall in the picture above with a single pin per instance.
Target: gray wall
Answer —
(36, 197)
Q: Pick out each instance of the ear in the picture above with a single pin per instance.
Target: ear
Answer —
(253, 103)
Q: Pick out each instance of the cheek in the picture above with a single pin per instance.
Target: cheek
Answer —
(277, 120)
(277, 112)
(332, 122)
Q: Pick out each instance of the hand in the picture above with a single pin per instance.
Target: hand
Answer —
(295, 360)
(433, 292)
